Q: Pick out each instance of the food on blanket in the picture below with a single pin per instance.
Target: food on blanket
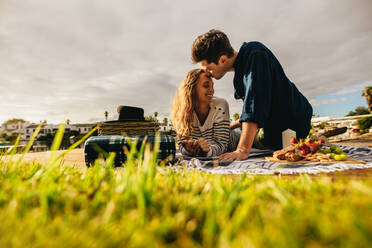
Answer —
(340, 157)
(281, 153)
(304, 152)
(308, 146)
(338, 150)
(292, 157)
(333, 151)
(318, 157)
(293, 141)
(327, 150)
(309, 150)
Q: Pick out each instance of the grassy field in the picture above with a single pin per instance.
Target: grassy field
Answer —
(151, 205)
(148, 204)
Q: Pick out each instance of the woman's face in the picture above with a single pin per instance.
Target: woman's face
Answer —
(204, 90)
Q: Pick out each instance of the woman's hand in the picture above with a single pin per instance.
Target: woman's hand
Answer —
(204, 145)
(191, 146)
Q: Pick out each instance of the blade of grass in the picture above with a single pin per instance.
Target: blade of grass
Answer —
(57, 140)
(31, 141)
(14, 149)
(73, 146)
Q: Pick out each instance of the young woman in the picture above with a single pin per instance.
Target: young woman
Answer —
(202, 121)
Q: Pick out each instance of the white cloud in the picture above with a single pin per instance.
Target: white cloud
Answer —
(359, 87)
(315, 103)
(79, 58)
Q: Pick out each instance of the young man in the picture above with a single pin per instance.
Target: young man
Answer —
(271, 102)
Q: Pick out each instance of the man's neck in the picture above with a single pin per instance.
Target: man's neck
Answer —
(231, 61)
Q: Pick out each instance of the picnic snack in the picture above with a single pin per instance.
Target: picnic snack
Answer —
(308, 145)
(292, 157)
(281, 153)
(309, 150)
(335, 153)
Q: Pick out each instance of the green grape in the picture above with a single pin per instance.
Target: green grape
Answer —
(340, 157)
(338, 150)
(327, 150)
(344, 156)
(333, 148)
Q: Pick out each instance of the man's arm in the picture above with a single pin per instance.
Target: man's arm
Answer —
(249, 130)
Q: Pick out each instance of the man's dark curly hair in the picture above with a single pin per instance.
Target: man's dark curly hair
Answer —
(211, 46)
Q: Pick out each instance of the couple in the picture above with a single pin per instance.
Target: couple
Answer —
(271, 102)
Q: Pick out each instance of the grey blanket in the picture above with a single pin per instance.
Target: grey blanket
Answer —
(256, 163)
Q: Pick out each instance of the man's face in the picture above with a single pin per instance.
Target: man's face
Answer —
(216, 71)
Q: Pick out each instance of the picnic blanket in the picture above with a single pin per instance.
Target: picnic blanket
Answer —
(101, 146)
(256, 163)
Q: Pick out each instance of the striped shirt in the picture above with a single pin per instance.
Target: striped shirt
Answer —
(215, 130)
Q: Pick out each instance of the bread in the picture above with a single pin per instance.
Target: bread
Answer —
(281, 153)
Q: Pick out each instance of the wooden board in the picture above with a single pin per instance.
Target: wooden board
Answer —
(349, 161)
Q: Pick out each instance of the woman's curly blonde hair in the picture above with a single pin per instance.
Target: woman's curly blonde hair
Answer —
(183, 104)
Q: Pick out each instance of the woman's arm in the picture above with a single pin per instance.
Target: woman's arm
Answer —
(219, 131)
(235, 124)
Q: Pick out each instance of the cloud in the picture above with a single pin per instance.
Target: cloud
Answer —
(359, 87)
(79, 58)
(315, 103)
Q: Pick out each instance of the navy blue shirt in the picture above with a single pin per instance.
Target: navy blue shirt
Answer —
(270, 99)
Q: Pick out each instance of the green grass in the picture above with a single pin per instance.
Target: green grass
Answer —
(152, 205)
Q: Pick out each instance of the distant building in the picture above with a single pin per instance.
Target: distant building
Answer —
(13, 127)
(347, 121)
(82, 128)
(166, 127)
(50, 128)
(45, 129)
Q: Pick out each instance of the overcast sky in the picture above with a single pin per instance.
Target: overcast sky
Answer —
(75, 59)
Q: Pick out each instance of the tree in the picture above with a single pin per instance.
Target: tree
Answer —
(14, 120)
(11, 138)
(367, 93)
(47, 139)
(236, 116)
(364, 123)
(322, 125)
(106, 114)
(358, 111)
(150, 118)
(165, 121)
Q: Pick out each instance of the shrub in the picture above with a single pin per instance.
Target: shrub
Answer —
(322, 125)
(364, 123)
